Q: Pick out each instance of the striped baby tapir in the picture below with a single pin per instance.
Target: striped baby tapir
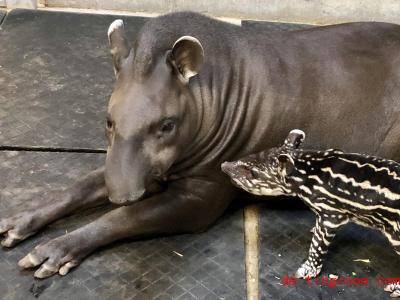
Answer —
(338, 187)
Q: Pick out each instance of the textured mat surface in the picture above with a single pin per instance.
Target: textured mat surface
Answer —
(285, 238)
(207, 265)
(56, 77)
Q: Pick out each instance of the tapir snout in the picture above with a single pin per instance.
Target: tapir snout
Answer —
(125, 173)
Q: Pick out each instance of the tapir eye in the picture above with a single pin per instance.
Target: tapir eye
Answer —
(275, 163)
(167, 126)
(109, 124)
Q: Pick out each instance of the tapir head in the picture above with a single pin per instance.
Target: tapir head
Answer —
(148, 114)
(265, 173)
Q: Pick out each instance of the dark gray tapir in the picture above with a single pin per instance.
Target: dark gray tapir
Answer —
(193, 92)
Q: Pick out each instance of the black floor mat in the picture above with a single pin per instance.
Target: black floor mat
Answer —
(56, 77)
(207, 265)
(285, 238)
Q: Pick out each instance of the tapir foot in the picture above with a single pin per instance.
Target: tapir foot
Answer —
(173, 211)
(393, 289)
(20, 226)
(56, 256)
(308, 271)
(87, 192)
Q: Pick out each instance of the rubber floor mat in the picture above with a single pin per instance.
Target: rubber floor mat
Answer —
(56, 77)
(208, 265)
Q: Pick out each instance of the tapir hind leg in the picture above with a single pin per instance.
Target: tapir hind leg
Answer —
(186, 206)
(89, 191)
(394, 287)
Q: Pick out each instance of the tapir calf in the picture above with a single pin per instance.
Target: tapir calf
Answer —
(193, 92)
(339, 187)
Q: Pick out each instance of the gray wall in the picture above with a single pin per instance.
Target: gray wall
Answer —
(308, 11)
(21, 3)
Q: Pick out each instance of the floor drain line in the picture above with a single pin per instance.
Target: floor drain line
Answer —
(251, 250)
(50, 149)
(3, 18)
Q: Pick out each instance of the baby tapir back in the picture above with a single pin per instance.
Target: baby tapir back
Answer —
(339, 187)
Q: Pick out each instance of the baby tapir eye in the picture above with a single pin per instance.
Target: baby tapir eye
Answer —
(273, 162)
(254, 173)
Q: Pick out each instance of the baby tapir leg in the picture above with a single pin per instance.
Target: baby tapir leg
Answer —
(394, 288)
(324, 232)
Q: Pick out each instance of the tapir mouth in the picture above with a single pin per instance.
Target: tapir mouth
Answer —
(129, 199)
(154, 188)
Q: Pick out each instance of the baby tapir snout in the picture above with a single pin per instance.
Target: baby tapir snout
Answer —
(229, 168)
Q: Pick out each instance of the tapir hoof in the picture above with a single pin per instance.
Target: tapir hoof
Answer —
(59, 255)
(393, 289)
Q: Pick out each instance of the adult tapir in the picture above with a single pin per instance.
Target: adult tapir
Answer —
(193, 92)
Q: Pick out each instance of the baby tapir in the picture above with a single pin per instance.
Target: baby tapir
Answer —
(339, 188)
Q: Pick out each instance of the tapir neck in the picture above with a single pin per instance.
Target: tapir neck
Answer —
(232, 106)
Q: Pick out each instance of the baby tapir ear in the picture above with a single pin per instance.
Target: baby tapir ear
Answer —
(187, 57)
(118, 43)
(286, 164)
(295, 138)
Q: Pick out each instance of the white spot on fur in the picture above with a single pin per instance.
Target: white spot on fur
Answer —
(315, 177)
(355, 204)
(366, 185)
(297, 179)
(305, 189)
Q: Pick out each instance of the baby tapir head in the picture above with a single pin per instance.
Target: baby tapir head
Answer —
(265, 173)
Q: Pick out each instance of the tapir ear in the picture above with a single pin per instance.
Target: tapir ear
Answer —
(187, 56)
(286, 164)
(295, 138)
(118, 44)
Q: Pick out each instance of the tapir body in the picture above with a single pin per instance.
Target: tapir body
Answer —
(193, 92)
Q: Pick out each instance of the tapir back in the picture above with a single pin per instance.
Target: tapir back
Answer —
(363, 188)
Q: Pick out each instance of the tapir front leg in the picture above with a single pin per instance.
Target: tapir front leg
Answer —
(324, 232)
(186, 206)
(89, 191)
